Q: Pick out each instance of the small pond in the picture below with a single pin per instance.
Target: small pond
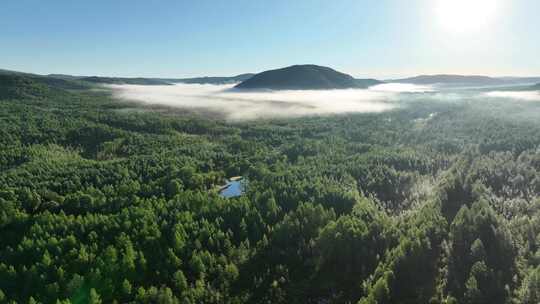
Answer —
(233, 188)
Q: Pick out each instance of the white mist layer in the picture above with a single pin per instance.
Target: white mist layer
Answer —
(401, 88)
(520, 95)
(238, 105)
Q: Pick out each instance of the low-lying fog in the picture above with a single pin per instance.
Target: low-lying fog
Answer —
(237, 105)
(519, 95)
(242, 105)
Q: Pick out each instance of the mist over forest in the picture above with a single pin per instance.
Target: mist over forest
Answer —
(234, 104)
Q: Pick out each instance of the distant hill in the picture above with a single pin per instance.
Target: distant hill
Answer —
(304, 77)
(452, 80)
(166, 81)
(536, 86)
(155, 81)
(366, 83)
(64, 76)
(135, 80)
(10, 72)
(120, 80)
(464, 80)
(58, 83)
(212, 80)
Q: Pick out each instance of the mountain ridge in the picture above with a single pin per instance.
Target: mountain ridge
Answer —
(455, 79)
(69, 81)
(212, 79)
(122, 80)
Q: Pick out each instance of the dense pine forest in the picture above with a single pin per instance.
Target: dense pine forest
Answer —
(109, 201)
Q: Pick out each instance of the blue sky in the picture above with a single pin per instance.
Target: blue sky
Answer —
(152, 38)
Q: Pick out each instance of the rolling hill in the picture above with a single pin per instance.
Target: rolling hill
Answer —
(212, 80)
(155, 81)
(304, 77)
(445, 79)
(119, 80)
(71, 82)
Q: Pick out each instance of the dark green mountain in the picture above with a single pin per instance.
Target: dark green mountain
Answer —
(304, 77)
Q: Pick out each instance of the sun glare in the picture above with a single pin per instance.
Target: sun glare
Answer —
(463, 16)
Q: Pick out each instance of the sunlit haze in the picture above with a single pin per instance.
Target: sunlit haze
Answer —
(462, 16)
(380, 39)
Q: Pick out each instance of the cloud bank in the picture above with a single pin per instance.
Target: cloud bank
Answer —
(519, 95)
(239, 105)
(248, 105)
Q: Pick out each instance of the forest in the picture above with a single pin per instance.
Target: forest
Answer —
(110, 201)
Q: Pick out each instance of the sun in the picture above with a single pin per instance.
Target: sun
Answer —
(465, 16)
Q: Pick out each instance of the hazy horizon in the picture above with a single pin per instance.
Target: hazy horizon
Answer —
(382, 78)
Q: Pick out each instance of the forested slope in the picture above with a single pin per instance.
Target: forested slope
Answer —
(103, 201)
